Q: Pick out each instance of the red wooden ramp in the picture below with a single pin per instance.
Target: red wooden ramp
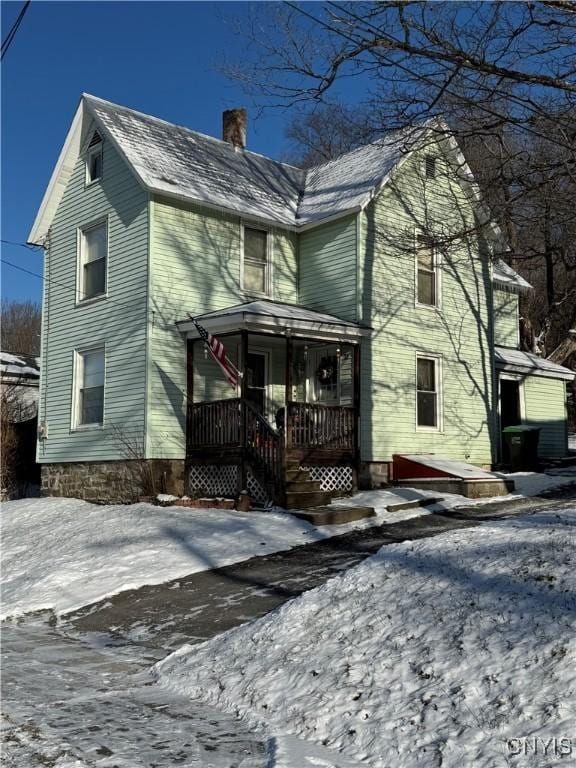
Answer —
(429, 471)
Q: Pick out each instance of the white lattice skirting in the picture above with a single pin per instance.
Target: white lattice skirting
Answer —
(256, 491)
(332, 478)
(213, 480)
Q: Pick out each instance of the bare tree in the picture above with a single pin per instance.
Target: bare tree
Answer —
(501, 74)
(139, 475)
(20, 327)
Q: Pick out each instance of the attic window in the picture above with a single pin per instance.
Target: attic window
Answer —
(94, 159)
(430, 167)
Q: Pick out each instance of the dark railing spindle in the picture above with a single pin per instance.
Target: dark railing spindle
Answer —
(316, 424)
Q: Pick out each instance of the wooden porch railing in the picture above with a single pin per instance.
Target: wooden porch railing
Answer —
(319, 425)
(264, 445)
(214, 424)
(237, 423)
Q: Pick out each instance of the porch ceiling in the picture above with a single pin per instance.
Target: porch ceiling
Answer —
(276, 318)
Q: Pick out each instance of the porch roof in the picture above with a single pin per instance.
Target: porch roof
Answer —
(277, 318)
(516, 361)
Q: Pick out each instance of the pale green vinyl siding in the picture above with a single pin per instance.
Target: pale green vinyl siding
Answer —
(458, 332)
(545, 407)
(195, 268)
(506, 322)
(117, 322)
(328, 268)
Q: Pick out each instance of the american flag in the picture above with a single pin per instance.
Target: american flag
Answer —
(218, 352)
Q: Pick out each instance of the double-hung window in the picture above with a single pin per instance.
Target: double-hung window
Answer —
(428, 376)
(90, 367)
(427, 287)
(93, 258)
(256, 261)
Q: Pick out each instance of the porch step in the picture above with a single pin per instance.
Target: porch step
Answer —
(303, 486)
(297, 475)
(305, 500)
(334, 515)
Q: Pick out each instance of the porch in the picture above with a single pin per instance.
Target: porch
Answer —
(289, 431)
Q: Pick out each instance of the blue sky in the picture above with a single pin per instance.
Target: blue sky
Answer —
(158, 57)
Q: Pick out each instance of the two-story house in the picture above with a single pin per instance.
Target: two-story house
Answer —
(358, 299)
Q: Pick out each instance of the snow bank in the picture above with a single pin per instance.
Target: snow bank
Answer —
(65, 553)
(430, 653)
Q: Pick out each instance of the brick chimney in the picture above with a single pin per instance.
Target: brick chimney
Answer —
(234, 127)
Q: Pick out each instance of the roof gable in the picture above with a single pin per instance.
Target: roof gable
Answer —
(177, 162)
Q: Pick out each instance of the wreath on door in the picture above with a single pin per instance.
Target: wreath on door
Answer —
(326, 371)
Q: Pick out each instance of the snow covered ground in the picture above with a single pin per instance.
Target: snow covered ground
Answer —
(431, 653)
(526, 484)
(62, 554)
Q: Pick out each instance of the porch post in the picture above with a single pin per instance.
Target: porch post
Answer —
(357, 367)
(243, 474)
(288, 388)
(189, 390)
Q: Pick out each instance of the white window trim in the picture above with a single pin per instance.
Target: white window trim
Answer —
(77, 376)
(269, 293)
(80, 301)
(438, 361)
(95, 149)
(437, 261)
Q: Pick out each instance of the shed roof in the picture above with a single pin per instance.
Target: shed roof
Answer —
(19, 366)
(526, 363)
(505, 277)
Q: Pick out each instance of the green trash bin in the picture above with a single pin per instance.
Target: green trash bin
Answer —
(522, 446)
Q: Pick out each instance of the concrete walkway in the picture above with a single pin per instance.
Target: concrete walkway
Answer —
(204, 604)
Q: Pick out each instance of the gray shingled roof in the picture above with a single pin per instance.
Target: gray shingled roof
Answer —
(524, 362)
(177, 161)
(279, 310)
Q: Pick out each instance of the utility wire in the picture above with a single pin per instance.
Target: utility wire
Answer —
(10, 36)
(56, 282)
(35, 248)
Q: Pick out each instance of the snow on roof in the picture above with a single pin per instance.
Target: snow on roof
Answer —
(349, 181)
(173, 160)
(525, 362)
(506, 277)
(278, 310)
(276, 317)
(25, 366)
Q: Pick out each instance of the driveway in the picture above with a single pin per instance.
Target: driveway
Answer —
(78, 693)
(204, 604)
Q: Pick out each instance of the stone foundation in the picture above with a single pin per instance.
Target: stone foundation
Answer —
(113, 481)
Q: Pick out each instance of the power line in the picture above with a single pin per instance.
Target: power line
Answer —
(56, 282)
(35, 248)
(10, 36)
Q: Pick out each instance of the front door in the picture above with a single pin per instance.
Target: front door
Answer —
(325, 376)
(256, 380)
